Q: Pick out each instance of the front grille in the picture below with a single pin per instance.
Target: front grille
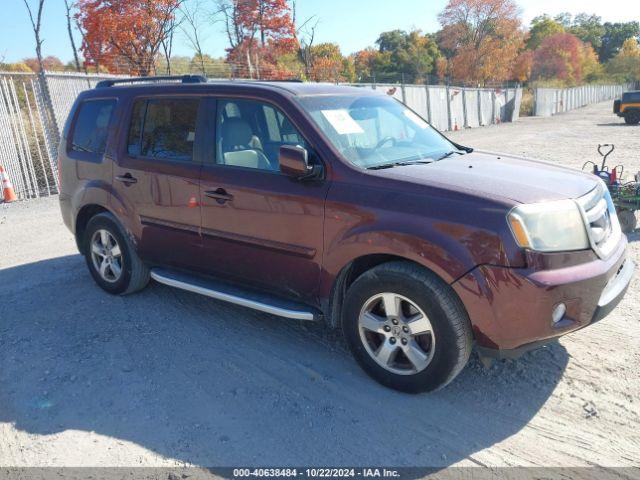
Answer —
(601, 219)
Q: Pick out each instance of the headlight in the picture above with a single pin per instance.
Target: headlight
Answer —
(549, 227)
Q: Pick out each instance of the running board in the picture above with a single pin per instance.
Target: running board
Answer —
(227, 293)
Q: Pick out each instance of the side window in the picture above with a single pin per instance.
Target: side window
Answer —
(163, 129)
(135, 131)
(92, 126)
(249, 134)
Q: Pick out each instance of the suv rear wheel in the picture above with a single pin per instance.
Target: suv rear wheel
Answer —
(632, 117)
(111, 258)
(406, 328)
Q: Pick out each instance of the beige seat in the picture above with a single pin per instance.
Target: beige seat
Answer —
(240, 147)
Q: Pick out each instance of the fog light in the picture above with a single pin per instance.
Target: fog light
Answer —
(558, 313)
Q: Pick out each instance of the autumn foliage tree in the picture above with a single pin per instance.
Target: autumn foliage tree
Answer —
(50, 63)
(522, 66)
(259, 31)
(364, 64)
(124, 35)
(560, 56)
(329, 65)
(483, 38)
(625, 66)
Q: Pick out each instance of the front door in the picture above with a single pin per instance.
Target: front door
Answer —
(156, 179)
(258, 225)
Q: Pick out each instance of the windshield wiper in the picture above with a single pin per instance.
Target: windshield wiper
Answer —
(448, 154)
(399, 164)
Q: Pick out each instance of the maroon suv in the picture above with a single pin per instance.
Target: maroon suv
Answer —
(313, 202)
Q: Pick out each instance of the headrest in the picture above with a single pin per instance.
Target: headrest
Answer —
(236, 134)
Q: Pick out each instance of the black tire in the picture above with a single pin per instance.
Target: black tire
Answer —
(452, 334)
(632, 118)
(628, 220)
(134, 274)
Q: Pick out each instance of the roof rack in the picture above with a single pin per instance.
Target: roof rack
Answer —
(284, 80)
(182, 78)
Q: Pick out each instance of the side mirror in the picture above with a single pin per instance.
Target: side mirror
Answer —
(294, 162)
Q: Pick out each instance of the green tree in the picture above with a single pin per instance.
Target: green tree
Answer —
(588, 28)
(614, 36)
(405, 56)
(542, 27)
(625, 66)
(349, 70)
(564, 19)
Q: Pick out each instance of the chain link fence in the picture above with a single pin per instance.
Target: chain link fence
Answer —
(33, 110)
(28, 138)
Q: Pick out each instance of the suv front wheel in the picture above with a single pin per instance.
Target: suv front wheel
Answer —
(111, 258)
(406, 328)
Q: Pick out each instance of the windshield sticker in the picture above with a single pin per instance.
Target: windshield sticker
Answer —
(342, 122)
(415, 119)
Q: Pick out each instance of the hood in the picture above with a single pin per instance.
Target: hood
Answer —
(499, 177)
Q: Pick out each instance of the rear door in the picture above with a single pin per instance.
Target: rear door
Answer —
(259, 226)
(156, 178)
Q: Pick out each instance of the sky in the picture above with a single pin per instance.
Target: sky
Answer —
(352, 24)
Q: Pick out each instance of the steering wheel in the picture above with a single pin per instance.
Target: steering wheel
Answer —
(385, 140)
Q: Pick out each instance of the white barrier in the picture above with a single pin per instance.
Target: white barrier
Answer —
(551, 101)
(453, 108)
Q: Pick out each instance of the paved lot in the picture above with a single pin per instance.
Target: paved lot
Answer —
(165, 377)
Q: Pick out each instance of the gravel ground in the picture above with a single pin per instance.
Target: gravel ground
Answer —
(168, 378)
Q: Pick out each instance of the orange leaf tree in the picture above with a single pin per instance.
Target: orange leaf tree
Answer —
(259, 31)
(329, 65)
(364, 63)
(124, 35)
(50, 63)
(482, 37)
(559, 56)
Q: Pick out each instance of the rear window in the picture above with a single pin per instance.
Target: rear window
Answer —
(91, 126)
(631, 97)
(163, 129)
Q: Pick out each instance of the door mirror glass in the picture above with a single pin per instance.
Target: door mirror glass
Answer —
(294, 161)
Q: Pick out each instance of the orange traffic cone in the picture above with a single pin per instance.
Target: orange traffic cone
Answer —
(7, 188)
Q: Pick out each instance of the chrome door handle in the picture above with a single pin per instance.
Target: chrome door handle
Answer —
(220, 195)
(127, 179)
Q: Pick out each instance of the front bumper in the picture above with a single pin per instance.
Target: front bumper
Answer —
(510, 309)
(615, 290)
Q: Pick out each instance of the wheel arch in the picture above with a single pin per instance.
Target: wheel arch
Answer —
(350, 272)
(84, 215)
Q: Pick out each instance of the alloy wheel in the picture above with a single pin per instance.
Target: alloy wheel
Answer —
(396, 333)
(106, 255)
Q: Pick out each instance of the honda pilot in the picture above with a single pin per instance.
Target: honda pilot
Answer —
(338, 204)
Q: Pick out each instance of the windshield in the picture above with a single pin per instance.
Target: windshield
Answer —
(373, 131)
